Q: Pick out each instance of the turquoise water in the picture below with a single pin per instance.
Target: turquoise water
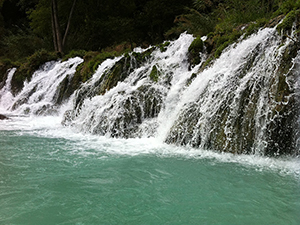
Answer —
(53, 176)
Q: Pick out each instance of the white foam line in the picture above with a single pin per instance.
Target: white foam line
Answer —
(87, 144)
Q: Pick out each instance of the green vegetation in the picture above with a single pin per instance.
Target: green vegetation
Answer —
(163, 46)
(288, 21)
(195, 48)
(91, 62)
(231, 19)
(154, 74)
(89, 25)
(196, 45)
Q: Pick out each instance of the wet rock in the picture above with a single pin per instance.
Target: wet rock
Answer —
(3, 117)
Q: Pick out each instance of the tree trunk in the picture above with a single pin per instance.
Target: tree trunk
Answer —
(69, 22)
(53, 30)
(59, 45)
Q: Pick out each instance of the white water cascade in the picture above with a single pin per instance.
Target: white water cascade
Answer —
(39, 95)
(6, 96)
(245, 102)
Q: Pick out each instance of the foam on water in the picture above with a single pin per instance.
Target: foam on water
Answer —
(85, 144)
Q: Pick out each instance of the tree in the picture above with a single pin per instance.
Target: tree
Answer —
(52, 13)
(99, 23)
(58, 41)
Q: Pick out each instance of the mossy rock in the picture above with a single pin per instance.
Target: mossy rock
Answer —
(163, 46)
(142, 57)
(253, 27)
(194, 50)
(287, 23)
(224, 40)
(86, 69)
(282, 129)
(238, 114)
(64, 91)
(190, 80)
(133, 109)
(154, 74)
(220, 49)
(117, 74)
(108, 80)
(186, 130)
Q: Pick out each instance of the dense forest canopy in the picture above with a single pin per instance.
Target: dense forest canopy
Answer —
(95, 25)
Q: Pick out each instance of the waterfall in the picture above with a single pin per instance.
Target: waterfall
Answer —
(131, 107)
(6, 96)
(235, 103)
(246, 101)
(41, 94)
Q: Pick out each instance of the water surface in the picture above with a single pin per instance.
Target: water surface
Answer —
(53, 175)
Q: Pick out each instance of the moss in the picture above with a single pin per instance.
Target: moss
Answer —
(288, 21)
(117, 73)
(113, 77)
(91, 62)
(184, 131)
(195, 48)
(217, 42)
(142, 57)
(190, 80)
(154, 74)
(208, 62)
(74, 53)
(163, 46)
(287, 6)
(137, 55)
(221, 48)
(253, 27)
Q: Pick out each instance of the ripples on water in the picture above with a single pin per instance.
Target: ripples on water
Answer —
(53, 175)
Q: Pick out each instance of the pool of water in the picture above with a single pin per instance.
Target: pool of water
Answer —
(53, 175)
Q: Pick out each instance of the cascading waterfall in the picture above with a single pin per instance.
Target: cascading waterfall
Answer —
(131, 108)
(245, 102)
(6, 96)
(41, 94)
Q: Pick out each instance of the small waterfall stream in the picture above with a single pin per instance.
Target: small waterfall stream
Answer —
(247, 101)
(6, 96)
